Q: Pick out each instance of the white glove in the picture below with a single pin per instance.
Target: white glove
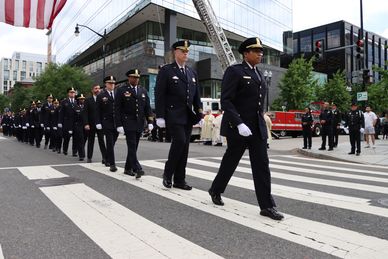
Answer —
(160, 122)
(98, 126)
(27, 124)
(54, 128)
(42, 125)
(201, 122)
(59, 125)
(243, 130)
(19, 125)
(32, 126)
(24, 127)
(70, 132)
(120, 130)
(150, 127)
(362, 130)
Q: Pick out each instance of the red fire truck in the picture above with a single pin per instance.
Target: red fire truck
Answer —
(288, 123)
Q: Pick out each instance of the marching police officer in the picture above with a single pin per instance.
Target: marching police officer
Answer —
(90, 125)
(355, 122)
(105, 120)
(326, 119)
(66, 117)
(337, 117)
(178, 106)
(56, 132)
(307, 122)
(242, 98)
(47, 113)
(78, 129)
(132, 108)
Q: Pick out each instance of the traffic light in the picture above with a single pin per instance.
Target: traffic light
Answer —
(318, 49)
(360, 49)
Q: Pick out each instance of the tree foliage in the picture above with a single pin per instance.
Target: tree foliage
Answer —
(21, 97)
(334, 91)
(296, 86)
(57, 79)
(4, 103)
(378, 92)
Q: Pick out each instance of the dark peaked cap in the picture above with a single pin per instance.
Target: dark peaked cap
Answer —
(250, 43)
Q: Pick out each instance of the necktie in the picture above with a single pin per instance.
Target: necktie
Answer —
(111, 95)
(183, 70)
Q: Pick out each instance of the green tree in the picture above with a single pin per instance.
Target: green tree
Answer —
(378, 92)
(21, 97)
(56, 79)
(4, 103)
(296, 86)
(335, 91)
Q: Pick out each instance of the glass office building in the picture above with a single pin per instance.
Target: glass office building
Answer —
(137, 29)
(335, 37)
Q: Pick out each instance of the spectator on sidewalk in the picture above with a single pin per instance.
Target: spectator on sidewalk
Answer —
(385, 126)
(307, 122)
(207, 127)
(268, 123)
(370, 123)
(216, 136)
(326, 119)
(355, 122)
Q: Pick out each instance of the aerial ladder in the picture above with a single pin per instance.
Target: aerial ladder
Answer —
(215, 33)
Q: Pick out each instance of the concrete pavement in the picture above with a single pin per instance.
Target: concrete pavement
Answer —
(377, 156)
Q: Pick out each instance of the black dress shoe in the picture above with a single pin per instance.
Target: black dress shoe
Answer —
(167, 183)
(322, 148)
(330, 149)
(103, 162)
(129, 172)
(74, 155)
(65, 153)
(216, 198)
(139, 173)
(81, 159)
(271, 213)
(304, 147)
(358, 153)
(351, 153)
(183, 186)
(89, 160)
(107, 164)
(59, 151)
(113, 168)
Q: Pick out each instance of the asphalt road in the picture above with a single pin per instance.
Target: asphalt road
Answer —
(332, 209)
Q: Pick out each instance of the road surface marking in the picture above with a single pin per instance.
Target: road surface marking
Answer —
(40, 172)
(303, 179)
(120, 232)
(322, 237)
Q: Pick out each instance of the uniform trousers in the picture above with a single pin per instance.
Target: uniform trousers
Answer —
(355, 140)
(110, 139)
(327, 131)
(91, 135)
(132, 138)
(179, 150)
(79, 141)
(258, 156)
(307, 137)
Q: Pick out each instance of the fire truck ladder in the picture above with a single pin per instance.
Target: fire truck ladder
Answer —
(215, 33)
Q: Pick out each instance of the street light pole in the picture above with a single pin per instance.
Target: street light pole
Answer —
(268, 77)
(103, 36)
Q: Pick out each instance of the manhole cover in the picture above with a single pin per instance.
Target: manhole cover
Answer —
(383, 201)
(56, 181)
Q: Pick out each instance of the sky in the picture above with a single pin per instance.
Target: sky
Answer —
(306, 14)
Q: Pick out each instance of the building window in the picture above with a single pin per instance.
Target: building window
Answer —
(22, 75)
(333, 39)
(31, 65)
(17, 64)
(6, 74)
(6, 63)
(5, 83)
(15, 75)
(305, 44)
(24, 65)
(39, 67)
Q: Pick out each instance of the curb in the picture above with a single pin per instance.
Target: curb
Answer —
(322, 156)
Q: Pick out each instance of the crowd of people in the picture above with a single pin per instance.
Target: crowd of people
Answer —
(359, 125)
(126, 110)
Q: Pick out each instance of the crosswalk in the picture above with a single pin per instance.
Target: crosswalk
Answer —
(300, 185)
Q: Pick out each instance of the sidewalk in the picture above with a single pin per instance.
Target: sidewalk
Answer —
(377, 156)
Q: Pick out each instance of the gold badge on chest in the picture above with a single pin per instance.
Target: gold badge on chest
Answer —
(127, 94)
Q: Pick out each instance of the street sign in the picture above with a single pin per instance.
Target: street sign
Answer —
(362, 96)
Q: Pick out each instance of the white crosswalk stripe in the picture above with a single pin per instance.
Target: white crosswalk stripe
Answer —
(104, 220)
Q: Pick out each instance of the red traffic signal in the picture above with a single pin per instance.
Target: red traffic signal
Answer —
(360, 43)
(360, 49)
(318, 44)
(318, 49)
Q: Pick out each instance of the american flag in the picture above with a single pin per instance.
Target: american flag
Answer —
(37, 14)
